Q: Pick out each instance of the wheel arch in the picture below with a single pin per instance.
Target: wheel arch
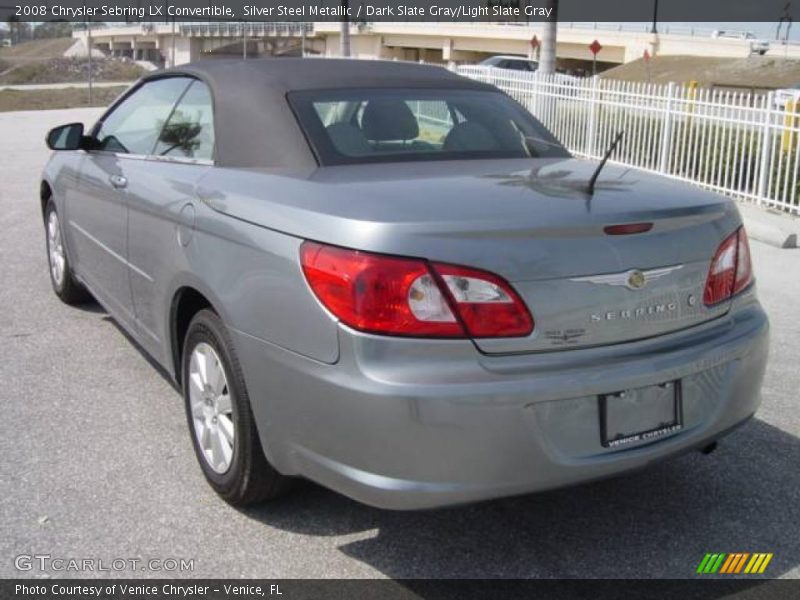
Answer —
(45, 195)
(186, 302)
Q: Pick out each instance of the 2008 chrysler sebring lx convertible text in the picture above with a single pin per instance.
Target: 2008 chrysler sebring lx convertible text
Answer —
(394, 281)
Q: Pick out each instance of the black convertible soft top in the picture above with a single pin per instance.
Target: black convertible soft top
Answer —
(254, 124)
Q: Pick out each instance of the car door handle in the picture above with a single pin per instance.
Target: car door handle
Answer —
(118, 181)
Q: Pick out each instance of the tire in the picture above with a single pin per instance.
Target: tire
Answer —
(221, 424)
(63, 281)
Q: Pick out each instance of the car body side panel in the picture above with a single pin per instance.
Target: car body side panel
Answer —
(250, 275)
(160, 196)
(96, 220)
(256, 274)
(62, 173)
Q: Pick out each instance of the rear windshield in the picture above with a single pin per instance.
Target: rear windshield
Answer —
(365, 126)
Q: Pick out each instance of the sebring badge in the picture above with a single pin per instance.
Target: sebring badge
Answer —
(633, 280)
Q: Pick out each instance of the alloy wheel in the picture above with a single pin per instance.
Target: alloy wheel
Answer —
(55, 249)
(212, 412)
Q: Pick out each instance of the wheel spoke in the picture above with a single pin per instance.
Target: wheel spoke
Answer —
(224, 404)
(226, 427)
(195, 382)
(226, 447)
(197, 409)
(202, 365)
(217, 450)
(59, 264)
(216, 378)
(203, 434)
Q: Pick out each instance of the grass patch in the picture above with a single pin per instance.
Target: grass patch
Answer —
(11, 100)
(754, 72)
(71, 70)
(37, 49)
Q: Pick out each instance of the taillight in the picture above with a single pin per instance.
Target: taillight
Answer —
(411, 297)
(744, 268)
(731, 270)
(487, 305)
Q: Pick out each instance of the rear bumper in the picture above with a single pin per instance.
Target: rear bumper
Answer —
(409, 424)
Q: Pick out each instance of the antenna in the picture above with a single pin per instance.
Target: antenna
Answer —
(609, 152)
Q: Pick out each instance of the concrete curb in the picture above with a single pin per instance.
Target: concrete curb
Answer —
(769, 226)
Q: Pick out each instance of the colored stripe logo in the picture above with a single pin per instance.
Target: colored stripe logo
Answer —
(734, 563)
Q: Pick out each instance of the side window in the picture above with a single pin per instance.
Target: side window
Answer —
(134, 125)
(189, 132)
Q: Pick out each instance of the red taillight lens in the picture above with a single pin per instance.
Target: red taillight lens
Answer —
(409, 297)
(376, 293)
(628, 228)
(744, 268)
(487, 305)
(730, 271)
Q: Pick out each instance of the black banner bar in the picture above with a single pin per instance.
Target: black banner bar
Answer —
(521, 11)
(307, 589)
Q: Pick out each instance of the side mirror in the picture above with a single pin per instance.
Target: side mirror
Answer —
(66, 137)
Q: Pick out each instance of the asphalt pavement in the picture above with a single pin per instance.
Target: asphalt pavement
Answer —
(97, 462)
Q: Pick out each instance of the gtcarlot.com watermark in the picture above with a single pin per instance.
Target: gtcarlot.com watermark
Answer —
(48, 563)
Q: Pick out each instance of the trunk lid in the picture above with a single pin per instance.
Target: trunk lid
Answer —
(528, 221)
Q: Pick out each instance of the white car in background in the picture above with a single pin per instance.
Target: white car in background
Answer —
(521, 64)
(757, 46)
(511, 62)
(786, 95)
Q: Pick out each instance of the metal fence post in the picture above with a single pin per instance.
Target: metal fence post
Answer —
(766, 146)
(592, 118)
(666, 132)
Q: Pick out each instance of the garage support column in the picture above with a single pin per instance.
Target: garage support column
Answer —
(447, 51)
(450, 55)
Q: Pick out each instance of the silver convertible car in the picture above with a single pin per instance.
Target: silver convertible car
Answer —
(394, 281)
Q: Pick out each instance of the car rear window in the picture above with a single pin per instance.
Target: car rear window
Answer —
(365, 126)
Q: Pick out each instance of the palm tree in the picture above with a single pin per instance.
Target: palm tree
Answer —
(344, 35)
(547, 59)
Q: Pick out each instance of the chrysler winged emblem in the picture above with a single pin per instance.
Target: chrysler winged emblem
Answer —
(633, 279)
(636, 279)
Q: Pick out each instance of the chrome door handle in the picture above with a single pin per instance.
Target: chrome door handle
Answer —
(118, 181)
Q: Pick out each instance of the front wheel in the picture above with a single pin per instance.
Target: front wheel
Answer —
(64, 283)
(220, 419)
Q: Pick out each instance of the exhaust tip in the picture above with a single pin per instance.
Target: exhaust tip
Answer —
(709, 449)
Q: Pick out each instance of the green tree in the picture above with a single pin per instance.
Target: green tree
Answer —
(52, 29)
(18, 30)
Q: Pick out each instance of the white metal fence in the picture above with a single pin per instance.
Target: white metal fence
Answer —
(740, 144)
